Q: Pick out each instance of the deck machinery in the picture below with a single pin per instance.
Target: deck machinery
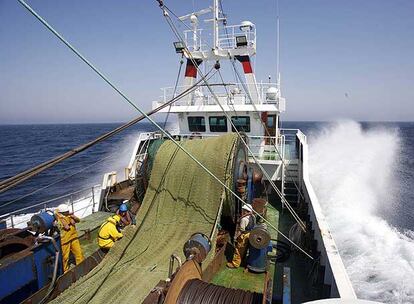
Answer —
(29, 258)
(252, 109)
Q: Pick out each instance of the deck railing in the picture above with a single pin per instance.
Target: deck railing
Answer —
(82, 202)
(227, 94)
(202, 39)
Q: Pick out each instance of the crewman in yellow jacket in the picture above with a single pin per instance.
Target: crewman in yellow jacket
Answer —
(109, 233)
(68, 235)
(246, 224)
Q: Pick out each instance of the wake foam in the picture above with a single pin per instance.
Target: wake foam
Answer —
(353, 173)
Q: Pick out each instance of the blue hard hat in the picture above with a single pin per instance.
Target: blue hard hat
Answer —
(123, 208)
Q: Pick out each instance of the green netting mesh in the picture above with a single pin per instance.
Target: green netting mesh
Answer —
(153, 148)
(144, 173)
(181, 199)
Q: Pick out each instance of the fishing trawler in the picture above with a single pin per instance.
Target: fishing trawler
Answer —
(228, 152)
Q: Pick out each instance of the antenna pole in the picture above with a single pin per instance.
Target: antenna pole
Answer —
(215, 22)
(277, 44)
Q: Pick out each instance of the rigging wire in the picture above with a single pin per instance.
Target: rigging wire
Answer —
(21, 177)
(175, 89)
(265, 128)
(178, 36)
(279, 193)
(239, 79)
(3, 216)
(55, 182)
(228, 94)
(130, 102)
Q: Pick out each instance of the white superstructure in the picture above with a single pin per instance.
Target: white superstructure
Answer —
(253, 107)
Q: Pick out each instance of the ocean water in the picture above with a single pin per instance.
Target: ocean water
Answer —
(363, 174)
(23, 146)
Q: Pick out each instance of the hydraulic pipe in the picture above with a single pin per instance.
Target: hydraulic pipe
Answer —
(55, 268)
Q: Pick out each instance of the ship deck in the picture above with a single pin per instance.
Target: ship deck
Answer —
(300, 266)
(88, 231)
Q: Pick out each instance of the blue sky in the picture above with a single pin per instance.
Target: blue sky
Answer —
(328, 48)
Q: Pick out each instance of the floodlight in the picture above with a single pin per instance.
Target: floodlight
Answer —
(179, 46)
(241, 41)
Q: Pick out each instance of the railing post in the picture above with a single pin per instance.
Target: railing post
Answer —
(93, 199)
(282, 156)
(11, 220)
(71, 203)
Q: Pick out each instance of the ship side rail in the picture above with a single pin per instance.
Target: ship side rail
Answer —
(335, 273)
(85, 201)
(227, 94)
(139, 153)
(82, 203)
(111, 180)
(261, 146)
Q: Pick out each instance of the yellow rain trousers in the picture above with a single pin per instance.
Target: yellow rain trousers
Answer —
(69, 241)
(242, 242)
(181, 199)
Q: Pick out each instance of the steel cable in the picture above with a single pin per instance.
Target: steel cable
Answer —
(199, 292)
(130, 102)
(266, 130)
(175, 90)
(238, 77)
(21, 177)
(279, 193)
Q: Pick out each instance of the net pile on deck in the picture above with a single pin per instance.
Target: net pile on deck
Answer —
(181, 199)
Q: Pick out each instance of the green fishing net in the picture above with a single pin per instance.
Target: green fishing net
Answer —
(181, 199)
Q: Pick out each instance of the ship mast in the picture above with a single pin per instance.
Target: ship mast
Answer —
(215, 23)
(277, 46)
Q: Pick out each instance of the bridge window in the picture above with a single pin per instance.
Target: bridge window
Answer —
(242, 123)
(218, 123)
(196, 124)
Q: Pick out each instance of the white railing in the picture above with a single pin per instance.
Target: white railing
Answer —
(335, 272)
(139, 153)
(228, 34)
(196, 40)
(257, 143)
(202, 40)
(230, 94)
(82, 203)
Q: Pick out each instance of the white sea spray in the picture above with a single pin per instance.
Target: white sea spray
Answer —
(353, 173)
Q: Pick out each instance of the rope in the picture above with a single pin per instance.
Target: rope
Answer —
(175, 89)
(48, 201)
(294, 214)
(54, 183)
(178, 36)
(228, 94)
(196, 291)
(21, 177)
(264, 127)
(237, 77)
(130, 102)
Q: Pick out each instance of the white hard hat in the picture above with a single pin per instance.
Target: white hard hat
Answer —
(63, 208)
(247, 207)
(125, 202)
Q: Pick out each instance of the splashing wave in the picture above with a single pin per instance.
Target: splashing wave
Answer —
(353, 173)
